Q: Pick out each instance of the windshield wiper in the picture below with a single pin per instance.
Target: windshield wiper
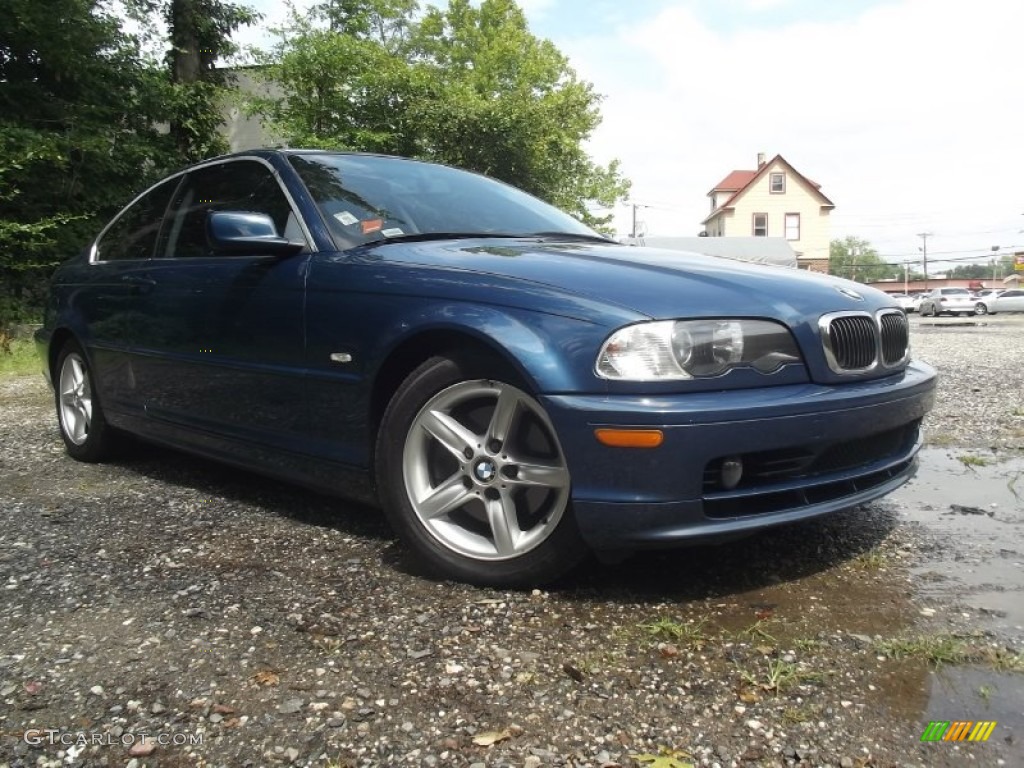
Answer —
(574, 236)
(414, 237)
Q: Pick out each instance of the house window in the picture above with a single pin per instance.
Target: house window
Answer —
(777, 182)
(760, 225)
(792, 226)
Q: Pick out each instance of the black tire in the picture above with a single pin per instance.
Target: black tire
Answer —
(476, 508)
(83, 426)
(980, 308)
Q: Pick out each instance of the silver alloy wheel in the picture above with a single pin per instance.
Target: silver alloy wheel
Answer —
(75, 399)
(484, 472)
(980, 309)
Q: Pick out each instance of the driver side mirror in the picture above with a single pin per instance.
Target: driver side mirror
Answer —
(247, 232)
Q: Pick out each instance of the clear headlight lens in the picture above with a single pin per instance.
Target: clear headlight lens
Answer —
(667, 350)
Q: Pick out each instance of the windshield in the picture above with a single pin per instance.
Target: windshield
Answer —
(368, 198)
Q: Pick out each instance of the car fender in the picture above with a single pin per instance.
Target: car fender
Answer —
(552, 353)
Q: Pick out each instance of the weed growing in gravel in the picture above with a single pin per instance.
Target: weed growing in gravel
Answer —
(985, 692)
(872, 560)
(970, 461)
(797, 715)
(809, 644)
(1003, 659)
(779, 676)
(948, 649)
(935, 649)
(757, 632)
(690, 633)
(666, 758)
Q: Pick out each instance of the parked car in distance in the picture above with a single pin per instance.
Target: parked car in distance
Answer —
(987, 293)
(1011, 300)
(905, 302)
(510, 386)
(955, 301)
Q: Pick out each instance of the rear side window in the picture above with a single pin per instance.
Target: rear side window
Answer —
(242, 185)
(133, 235)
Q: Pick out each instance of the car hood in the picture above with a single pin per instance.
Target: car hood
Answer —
(658, 283)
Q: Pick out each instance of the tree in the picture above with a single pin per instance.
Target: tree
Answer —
(856, 259)
(83, 110)
(79, 109)
(199, 36)
(465, 86)
(995, 269)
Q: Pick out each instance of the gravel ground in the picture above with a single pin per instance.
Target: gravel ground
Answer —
(163, 595)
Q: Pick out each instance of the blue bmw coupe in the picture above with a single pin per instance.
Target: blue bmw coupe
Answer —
(511, 387)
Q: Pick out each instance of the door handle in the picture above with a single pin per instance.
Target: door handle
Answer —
(138, 284)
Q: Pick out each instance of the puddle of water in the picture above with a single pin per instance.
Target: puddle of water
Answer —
(975, 514)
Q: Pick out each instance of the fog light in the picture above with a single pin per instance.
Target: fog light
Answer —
(732, 471)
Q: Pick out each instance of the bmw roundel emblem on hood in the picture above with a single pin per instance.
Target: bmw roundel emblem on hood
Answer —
(850, 293)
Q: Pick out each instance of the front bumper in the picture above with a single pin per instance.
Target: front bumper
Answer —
(816, 449)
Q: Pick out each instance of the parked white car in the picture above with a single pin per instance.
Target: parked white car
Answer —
(955, 301)
(1003, 301)
(905, 302)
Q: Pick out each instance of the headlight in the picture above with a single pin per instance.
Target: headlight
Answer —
(672, 350)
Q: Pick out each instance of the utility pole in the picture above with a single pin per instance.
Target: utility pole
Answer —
(924, 249)
(634, 230)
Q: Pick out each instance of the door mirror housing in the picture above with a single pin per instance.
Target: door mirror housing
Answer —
(239, 232)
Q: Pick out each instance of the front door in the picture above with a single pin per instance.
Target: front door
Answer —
(229, 355)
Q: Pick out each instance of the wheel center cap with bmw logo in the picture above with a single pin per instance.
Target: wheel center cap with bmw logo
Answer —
(485, 470)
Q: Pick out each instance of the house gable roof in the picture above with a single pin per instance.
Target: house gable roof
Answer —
(730, 182)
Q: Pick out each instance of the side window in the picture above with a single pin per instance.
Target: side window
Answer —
(134, 234)
(760, 225)
(241, 185)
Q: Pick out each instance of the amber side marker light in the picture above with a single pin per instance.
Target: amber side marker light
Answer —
(630, 438)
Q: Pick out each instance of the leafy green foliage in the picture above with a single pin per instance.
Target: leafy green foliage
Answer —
(78, 115)
(466, 86)
(84, 110)
(666, 758)
(856, 259)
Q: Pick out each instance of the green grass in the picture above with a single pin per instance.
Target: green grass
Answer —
(871, 560)
(756, 632)
(971, 461)
(948, 649)
(690, 633)
(779, 676)
(18, 357)
(935, 649)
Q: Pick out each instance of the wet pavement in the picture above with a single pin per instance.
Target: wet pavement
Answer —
(970, 504)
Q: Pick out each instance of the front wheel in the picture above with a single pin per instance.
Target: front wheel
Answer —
(473, 479)
(83, 426)
(980, 309)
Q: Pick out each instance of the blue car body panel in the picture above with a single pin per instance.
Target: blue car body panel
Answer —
(231, 357)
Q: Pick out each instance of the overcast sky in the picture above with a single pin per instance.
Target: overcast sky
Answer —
(909, 113)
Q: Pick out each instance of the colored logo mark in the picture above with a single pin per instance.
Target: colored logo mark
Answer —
(958, 730)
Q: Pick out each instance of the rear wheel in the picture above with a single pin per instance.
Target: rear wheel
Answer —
(83, 427)
(473, 479)
(980, 309)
